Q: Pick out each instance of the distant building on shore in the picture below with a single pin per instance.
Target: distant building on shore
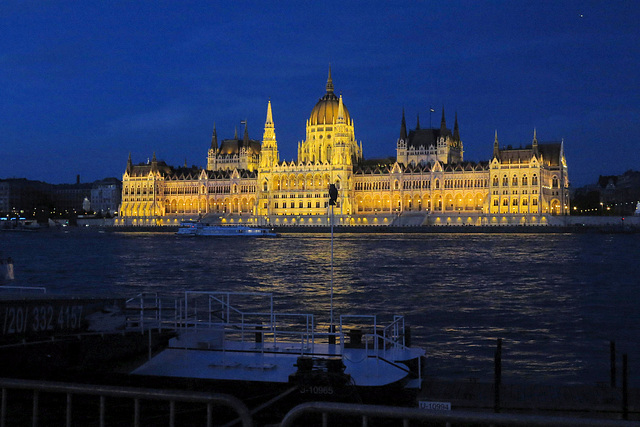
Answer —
(42, 200)
(429, 182)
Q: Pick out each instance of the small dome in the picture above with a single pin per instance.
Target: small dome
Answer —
(326, 110)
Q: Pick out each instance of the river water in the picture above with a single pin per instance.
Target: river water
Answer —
(556, 300)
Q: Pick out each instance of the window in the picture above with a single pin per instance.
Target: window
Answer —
(524, 180)
(505, 181)
(525, 202)
(300, 205)
(534, 180)
(505, 202)
(515, 202)
(556, 183)
(534, 202)
(275, 205)
(514, 181)
(495, 202)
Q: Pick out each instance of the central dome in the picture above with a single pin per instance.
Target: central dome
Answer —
(326, 110)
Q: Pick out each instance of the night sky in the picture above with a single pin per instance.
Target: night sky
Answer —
(86, 83)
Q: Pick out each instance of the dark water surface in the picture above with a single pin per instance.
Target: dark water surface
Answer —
(556, 300)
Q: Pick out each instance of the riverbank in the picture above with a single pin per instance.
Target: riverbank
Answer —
(426, 229)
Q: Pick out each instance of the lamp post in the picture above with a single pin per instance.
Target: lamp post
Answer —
(333, 196)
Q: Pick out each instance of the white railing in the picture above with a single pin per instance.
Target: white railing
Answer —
(223, 311)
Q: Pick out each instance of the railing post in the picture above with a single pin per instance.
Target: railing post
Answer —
(69, 408)
(497, 376)
(172, 413)
(612, 357)
(625, 390)
(136, 412)
(102, 410)
(34, 419)
(3, 411)
(209, 414)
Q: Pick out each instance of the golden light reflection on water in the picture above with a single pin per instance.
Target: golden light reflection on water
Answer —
(556, 300)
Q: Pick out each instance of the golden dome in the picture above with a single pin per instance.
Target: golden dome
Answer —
(326, 110)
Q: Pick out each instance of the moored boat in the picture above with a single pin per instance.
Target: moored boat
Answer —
(221, 343)
(196, 228)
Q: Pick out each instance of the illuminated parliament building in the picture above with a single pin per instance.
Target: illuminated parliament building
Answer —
(429, 183)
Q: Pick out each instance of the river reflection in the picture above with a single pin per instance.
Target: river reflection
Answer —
(556, 300)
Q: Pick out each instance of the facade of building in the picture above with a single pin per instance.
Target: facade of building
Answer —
(428, 183)
(106, 196)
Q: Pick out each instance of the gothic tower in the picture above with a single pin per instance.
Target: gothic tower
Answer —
(269, 154)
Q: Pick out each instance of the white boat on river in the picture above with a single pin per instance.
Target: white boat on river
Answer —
(195, 228)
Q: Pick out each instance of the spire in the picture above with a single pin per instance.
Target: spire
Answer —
(129, 164)
(214, 138)
(235, 135)
(495, 145)
(443, 124)
(340, 118)
(245, 137)
(418, 122)
(154, 162)
(403, 128)
(329, 82)
(456, 130)
(269, 114)
(534, 144)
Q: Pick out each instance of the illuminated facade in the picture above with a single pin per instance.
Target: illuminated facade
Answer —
(428, 184)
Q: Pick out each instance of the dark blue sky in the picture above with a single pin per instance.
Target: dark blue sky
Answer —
(84, 83)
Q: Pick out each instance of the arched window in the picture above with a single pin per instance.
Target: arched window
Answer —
(396, 185)
(514, 181)
(556, 183)
(505, 181)
(534, 179)
(264, 186)
(437, 184)
(524, 180)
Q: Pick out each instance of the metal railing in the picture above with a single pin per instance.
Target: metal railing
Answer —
(446, 418)
(210, 400)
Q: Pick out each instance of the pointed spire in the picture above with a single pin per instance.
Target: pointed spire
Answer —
(129, 164)
(245, 137)
(534, 144)
(340, 118)
(214, 138)
(456, 130)
(154, 162)
(403, 128)
(443, 123)
(329, 82)
(418, 122)
(235, 135)
(269, 114)
(496, 148)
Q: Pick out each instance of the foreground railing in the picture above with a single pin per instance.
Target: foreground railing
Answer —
(331, 413)
(171, 397)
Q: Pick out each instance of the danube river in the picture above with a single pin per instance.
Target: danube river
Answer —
(556, 300)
